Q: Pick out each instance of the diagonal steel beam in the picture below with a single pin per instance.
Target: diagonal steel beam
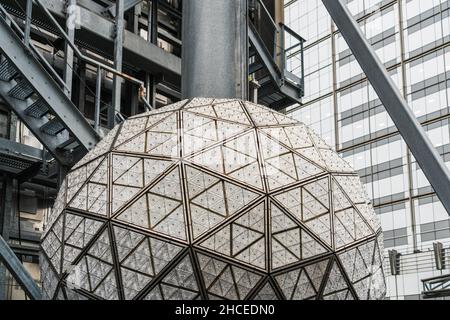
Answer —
(264, 54)
(412, 132)
(20, 274)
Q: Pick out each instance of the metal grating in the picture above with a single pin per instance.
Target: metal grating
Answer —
(38, 109)
(52, 127)
(22, 90)
(7, 70)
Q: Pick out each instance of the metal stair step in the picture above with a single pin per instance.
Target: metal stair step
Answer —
(7, 70)
(38, 109)
(53, 127)
(22, 90)
(254, 67)
(70, 143)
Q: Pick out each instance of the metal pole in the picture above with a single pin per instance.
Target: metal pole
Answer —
(82, 86)
(154, 22)
(215, 63)
(282, 48)
(68, 52)
(29, 9)
(412, 212)
(118, 55)
(6, 211)
(152, 37)
(412, 132)
(98, 92)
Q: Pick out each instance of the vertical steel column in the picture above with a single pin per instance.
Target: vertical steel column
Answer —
(412, 209)
(215, 61)
(82, 86)
(278, 8)
(29, 9)
(12, 126)
(412, 132)
(6, 210)
(134, 103)
(153, 27)
(98, 95)
(68, 52)
(152, 37)
(135, 13)
(152, 90)
(118, 55)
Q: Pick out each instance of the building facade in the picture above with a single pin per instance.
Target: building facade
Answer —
(412, 38)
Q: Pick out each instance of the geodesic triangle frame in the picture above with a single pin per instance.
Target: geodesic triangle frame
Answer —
(103, 194)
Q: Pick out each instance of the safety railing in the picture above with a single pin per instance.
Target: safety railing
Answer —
(436, 287)
(35, 51)
(286, 46)
(294, 53)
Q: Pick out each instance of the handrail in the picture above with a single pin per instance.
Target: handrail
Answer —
(95, 62)
(80, 54)
(47, 65)
(293, 33)
(437, 278)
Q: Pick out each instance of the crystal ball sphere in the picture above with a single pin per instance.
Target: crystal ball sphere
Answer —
(212, 199)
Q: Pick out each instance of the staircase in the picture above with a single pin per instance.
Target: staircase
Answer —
(33, 93)
(279, 87)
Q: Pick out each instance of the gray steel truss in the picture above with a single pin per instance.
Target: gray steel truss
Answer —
(412, 132)
(436, 287)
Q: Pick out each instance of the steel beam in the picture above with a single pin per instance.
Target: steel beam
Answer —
(264, 55)
(29, 10)
(5, 213)
(68, 52)
(436, 287)
(81, 86)
(18, 271)
(412, 132)
(214, 64)
(118, 57)
(18, 149)
(98, 96)
(153, 25)
(16, 157)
